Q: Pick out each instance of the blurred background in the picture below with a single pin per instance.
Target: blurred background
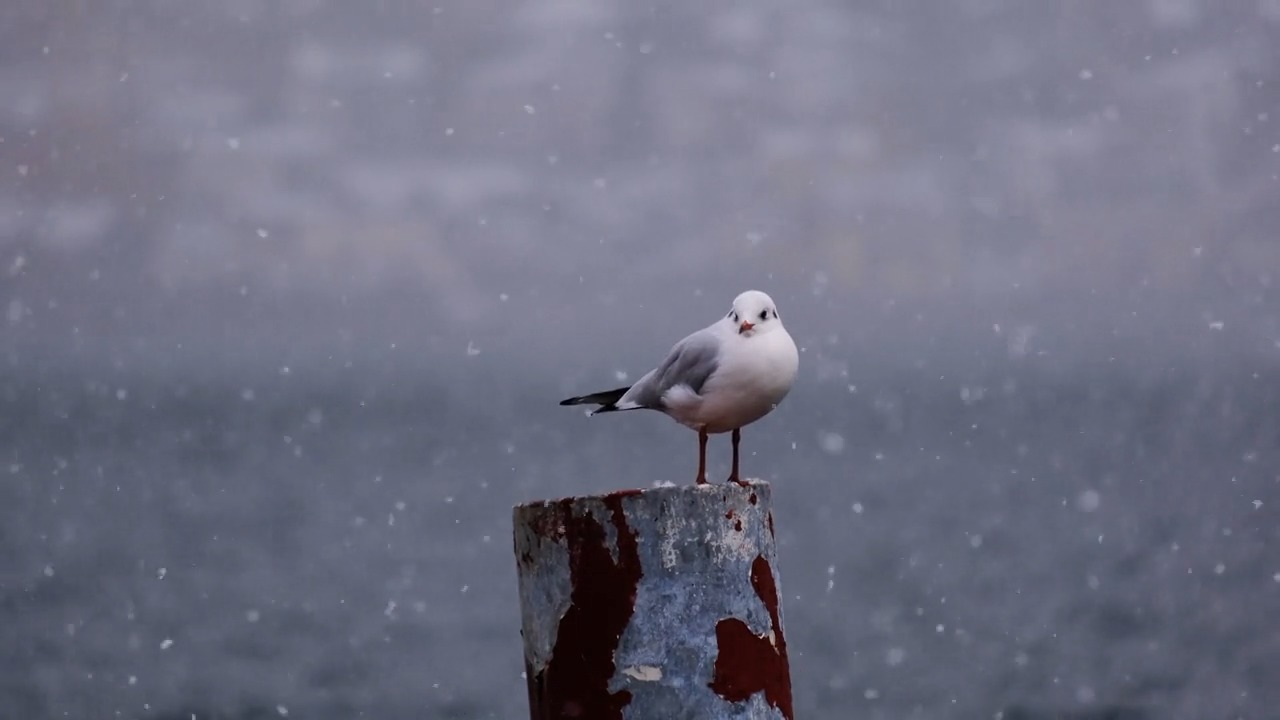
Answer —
(289, 291)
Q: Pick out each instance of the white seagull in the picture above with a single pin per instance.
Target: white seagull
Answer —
(719, 379)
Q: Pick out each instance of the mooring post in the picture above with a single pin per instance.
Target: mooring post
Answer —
(654, 605)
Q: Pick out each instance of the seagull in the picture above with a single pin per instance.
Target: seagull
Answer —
(717, 380)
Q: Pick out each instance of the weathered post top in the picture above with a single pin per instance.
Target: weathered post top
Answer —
(662, 602)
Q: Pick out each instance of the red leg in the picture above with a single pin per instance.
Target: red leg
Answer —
(733, 475)
(702, 458)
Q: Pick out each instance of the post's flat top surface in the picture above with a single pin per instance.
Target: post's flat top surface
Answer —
(659, 492)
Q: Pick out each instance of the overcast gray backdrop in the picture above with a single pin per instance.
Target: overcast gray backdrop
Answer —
(289, 291)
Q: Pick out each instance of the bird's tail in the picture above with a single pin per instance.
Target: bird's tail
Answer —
(607, 400)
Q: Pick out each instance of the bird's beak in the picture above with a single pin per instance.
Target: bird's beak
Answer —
(745, 326)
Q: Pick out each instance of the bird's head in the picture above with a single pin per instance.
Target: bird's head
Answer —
(753, 313)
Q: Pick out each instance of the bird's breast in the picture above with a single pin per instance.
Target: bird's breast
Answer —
(749, 384)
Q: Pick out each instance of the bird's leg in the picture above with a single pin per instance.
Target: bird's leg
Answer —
(702, 457)
(733, 474)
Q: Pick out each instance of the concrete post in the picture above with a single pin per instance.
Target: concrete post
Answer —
(653, 605)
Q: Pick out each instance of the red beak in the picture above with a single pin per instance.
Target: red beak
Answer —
(745, 326)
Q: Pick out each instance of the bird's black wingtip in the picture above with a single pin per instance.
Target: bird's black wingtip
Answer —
(607, 397)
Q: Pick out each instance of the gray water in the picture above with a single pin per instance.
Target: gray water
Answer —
(291, 291)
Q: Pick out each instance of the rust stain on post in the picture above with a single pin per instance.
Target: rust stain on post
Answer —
(575, 681)
(747, 663)
(737, 521)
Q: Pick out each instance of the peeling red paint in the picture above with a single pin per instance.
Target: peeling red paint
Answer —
(575, 682)
(771, 524)
(747, 663)
(753, 499)
(737, 521)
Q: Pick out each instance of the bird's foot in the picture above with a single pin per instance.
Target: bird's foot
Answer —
(737, 481)
(700, 480)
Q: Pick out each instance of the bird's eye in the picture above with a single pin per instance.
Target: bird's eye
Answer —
(764, 315)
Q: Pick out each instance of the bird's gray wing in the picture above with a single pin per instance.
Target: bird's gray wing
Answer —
(690, 362)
